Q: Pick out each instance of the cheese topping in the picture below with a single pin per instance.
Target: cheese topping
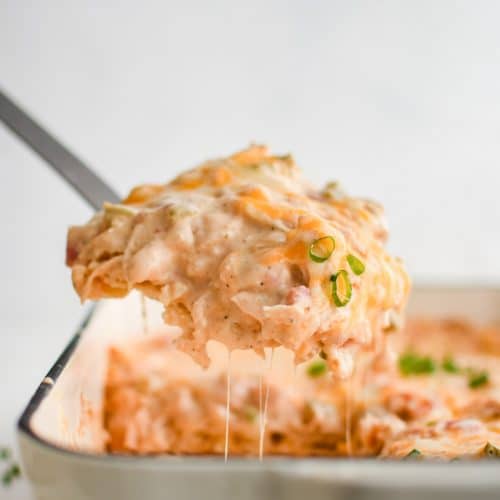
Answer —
(229, 249)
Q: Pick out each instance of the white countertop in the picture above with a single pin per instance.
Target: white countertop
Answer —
(398, 100)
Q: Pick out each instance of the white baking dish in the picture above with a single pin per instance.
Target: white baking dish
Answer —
(61, 442)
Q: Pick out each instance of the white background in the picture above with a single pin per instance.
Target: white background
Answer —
(397, 99)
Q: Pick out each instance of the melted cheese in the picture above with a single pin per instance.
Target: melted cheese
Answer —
(225, 248)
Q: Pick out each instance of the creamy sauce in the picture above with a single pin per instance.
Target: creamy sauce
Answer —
(231, 250)
(262, 433)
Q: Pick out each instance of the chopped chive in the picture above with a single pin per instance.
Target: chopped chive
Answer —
(414, 454)
(6, 477)
(15, 470)
(341, 288)
(11, 473)
(317, 369)
(478, 379)
(450, 366)
(321, 249)
(355, 264)
(4, 453)
(491, 451)
(412, 364)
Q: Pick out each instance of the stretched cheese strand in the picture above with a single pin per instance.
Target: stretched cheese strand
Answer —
(348, 415)
(228, 405)
(144, 315)
(228, 408)
(261, 416)
(266, 402)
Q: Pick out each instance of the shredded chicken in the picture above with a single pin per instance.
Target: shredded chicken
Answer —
(226, 248)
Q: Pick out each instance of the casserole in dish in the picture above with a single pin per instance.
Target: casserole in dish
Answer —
(62, 437)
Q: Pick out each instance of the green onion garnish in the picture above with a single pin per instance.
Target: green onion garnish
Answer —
(414, 453)
(11, 473)
(412, 364)
(491, 451)
(321, 249)
(4, 453)
(450, 366)
(478, 379)
(341, 288)
(317, 368)
(355, 264)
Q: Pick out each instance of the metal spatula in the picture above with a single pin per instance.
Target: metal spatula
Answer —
(91, 187)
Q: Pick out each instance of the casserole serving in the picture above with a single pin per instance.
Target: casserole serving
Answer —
(245, 251)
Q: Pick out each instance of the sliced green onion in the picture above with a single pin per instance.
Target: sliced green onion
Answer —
(491, 451)
(11, 473)
(341, 288)
(412, 364)
(4, 453)
(321, 249)
(355, 264)
(450, 366)
(414, 454)
(250, 413)
(7, 477)
(317, 368)
(15, 470)
(478, 379)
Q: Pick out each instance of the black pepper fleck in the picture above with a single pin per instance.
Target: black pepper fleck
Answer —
(277, 437)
